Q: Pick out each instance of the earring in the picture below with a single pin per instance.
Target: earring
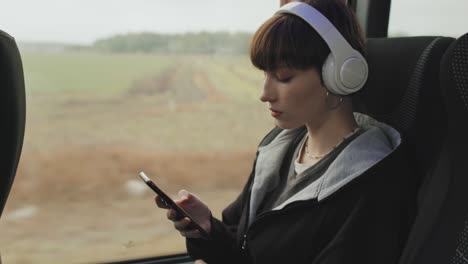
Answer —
(332, 107)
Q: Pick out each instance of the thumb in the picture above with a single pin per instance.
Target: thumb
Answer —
(185, 195)
(188, 198)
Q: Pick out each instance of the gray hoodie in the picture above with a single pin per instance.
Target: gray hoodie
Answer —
(376, 142)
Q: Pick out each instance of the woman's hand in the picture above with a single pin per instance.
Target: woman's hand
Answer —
(193, 206)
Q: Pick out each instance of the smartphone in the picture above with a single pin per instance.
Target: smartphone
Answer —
(181, 213)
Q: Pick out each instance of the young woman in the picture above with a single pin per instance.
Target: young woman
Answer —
(328, 185)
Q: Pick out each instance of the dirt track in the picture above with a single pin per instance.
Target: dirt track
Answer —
(65, 173)
(89, 186)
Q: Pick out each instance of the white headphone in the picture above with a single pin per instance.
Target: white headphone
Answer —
(345, 70)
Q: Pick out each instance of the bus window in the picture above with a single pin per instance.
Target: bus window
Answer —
(117, 87)
(423, 18)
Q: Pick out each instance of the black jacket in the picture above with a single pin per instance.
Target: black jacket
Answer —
(366, 221)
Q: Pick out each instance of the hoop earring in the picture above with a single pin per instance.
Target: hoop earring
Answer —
(327, 100)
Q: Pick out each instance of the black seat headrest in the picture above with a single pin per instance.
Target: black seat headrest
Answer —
(401, 71)
(12, 113)
(440, 233)
(403, 91)
(454, 77)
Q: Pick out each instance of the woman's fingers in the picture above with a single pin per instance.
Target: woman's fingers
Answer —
(172, 215)
(182, 225)
(194, 233)
(185, 229)
(194, 206)
(183, 194)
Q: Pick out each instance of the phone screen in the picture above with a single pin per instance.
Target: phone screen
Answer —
(166, 199)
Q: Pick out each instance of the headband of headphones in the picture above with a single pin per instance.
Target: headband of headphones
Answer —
(345, 70)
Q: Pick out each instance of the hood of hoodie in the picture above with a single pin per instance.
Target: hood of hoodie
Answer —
(376, 142)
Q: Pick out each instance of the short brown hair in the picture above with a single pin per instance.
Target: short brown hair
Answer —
(286, 40)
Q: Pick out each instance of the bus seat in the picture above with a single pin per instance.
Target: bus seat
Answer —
(12, 113)
(403, 91)
(440, 233)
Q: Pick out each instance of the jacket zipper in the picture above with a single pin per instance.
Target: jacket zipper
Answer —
(244, 242)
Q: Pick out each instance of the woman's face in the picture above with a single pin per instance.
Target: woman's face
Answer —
(295, 97)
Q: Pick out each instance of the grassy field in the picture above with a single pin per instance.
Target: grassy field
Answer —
(95, 120)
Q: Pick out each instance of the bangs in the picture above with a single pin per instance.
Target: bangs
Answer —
(286, 41)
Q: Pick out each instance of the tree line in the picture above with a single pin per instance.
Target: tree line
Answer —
(187, 43)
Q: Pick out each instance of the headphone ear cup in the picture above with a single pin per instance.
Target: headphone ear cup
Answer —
(353, 74)
(328, 75)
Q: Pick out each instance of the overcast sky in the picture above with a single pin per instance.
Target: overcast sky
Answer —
(83, 21)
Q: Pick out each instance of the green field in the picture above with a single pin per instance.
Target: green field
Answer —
(143, 99)
(95, 120)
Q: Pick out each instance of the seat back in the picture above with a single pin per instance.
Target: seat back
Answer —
(403, 91)
(440, 234)
(12, 113)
